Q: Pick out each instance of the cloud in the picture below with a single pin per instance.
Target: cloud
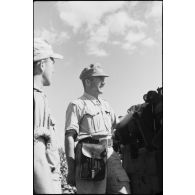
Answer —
(132, 39)
(128, 46)
(90, 13)
(101, 35)
(148, 42)
(114, 24)
(97, 38)
(155, 11)
(97, 51)
(115, 42)
(120, 22)
(107, 22)
(51, 36)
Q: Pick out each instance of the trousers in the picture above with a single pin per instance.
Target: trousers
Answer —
(116, 180)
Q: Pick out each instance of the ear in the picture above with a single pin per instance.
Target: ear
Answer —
(87, 82)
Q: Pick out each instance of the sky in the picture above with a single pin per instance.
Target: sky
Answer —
(124, 37)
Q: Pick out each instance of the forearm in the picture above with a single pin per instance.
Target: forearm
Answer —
(69, 148)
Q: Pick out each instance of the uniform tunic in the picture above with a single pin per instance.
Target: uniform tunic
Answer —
(44, 129)
(91, 117)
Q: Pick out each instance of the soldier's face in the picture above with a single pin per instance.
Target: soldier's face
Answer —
(48, 70)
(97, 84)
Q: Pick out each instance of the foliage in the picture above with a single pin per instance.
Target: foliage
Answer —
(66, 189)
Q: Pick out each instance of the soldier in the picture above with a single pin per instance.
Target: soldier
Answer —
(46, 157)
(90, 122)
(142, 140)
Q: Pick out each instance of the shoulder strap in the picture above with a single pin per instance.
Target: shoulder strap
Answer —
(82, 111)
(81, 120)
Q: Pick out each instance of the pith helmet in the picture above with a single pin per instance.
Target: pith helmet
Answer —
(43, 50)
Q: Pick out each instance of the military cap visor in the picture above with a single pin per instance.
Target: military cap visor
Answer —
(92, 71)
(43, 50)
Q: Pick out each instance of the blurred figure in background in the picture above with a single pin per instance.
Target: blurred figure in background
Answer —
(142, 139)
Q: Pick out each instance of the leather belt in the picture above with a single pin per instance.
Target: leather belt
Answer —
(89, 140)
(103, 141)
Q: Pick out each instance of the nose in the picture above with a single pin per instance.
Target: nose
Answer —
(102, 83)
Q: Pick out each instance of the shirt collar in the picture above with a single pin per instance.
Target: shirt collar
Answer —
(92, 98)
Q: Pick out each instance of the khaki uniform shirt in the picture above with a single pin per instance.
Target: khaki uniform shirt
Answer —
(89, 116)
(44, 127)
(93, 117)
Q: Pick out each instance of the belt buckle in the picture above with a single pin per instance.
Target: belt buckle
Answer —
(106, 141)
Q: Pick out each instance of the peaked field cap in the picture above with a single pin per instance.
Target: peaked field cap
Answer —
(93, 70)
(43, 50)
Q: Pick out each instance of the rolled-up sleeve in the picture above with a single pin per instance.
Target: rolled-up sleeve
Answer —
(72, 118)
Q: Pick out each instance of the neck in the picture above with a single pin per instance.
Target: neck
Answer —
(94, 94)
(38, 81)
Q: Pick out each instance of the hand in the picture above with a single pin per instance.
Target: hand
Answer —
(71, 178)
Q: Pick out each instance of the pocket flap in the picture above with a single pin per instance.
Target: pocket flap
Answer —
(90, 112)
(93, 150)
(107, 111)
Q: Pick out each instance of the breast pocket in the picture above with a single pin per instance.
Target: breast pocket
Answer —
(90, 121)
(107, 119)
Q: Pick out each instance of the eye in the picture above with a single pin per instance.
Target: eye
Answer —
(102, 79)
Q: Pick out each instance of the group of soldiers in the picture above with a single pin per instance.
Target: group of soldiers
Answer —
(94, 166)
